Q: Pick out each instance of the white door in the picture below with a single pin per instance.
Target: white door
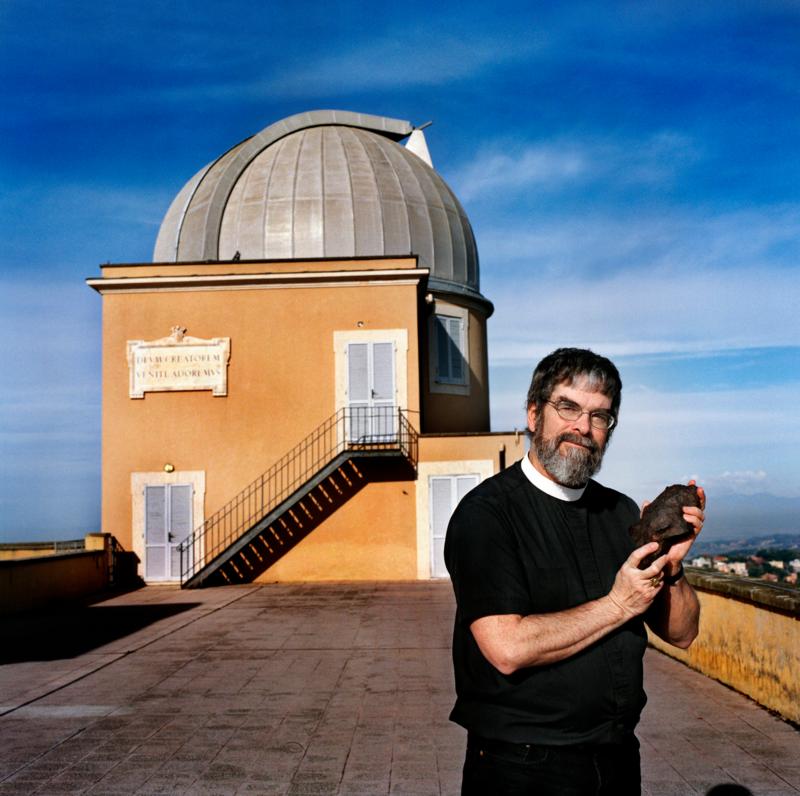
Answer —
(372, 413)
(446, 492)
(168, 521)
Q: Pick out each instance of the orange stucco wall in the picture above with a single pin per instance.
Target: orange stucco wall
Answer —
(372, 537)
(280, 379)
(507, 447)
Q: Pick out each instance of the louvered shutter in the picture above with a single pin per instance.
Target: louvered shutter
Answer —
(180, 526)
(454, 329)
(446, 493)
(383, 410)
(441, 490)
(464, 484)
(450, 360)
(155, 532)
(442, 349)
(358, 391)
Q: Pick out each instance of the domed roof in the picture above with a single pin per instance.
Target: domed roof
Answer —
(324, 184)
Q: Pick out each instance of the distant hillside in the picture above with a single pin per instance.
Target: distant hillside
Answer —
(744, 545)
(748, 516)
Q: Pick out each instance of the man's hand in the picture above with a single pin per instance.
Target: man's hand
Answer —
(695, 517)
(635, 589)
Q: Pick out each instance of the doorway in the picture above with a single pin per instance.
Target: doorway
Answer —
(446, 491)
(168, 522)
(371, 407)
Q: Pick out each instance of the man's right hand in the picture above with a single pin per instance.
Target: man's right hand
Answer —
(635, 589)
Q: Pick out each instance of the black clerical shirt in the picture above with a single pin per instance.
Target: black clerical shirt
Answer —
(513, 549)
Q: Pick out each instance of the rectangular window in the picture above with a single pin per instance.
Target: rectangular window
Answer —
(450, 354)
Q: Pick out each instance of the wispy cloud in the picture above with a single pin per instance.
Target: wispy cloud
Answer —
(675, 240)
(667, 437)
(741, 482)
(504, 169)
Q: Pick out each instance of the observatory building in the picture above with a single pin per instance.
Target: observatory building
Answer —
(296, 388)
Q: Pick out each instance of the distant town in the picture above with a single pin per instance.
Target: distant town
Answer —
(774, 559)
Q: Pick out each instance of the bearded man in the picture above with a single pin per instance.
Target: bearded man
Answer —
(551, 604)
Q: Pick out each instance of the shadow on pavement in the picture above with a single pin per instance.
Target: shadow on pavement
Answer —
(73, 630)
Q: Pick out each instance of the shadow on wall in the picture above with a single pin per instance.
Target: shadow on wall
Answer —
(73, 630)
(309, 512)
(729, 789)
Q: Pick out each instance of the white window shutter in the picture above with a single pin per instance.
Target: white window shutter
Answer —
(180, 505)
(358, 372)
(180, 526)
(383, 372)
(464, 484)
(441, 505)
(155, 524)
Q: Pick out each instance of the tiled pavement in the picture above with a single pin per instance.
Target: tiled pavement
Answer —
(306, 689)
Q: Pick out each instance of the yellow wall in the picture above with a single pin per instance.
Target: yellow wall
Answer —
(371, 537)
(748, 646)
(33, 582)
(447, 447)
(280, 380)
(16, 553)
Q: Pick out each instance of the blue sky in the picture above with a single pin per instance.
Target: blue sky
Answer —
(630, 170)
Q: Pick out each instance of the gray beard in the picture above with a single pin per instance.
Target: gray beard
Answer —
(571, 469)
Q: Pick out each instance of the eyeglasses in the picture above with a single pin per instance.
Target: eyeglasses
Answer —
(600, 419)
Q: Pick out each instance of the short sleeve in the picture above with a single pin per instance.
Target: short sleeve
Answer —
(482, 557)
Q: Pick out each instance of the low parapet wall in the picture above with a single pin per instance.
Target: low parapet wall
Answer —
(749, 639)
(34, 582)
(51, 577)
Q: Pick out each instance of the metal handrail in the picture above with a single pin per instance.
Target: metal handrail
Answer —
(352, 429)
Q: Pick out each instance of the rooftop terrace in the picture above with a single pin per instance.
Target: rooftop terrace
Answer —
(306, 689)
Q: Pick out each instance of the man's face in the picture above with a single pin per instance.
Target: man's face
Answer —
(570, 451)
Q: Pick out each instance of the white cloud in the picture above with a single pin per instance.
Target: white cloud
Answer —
(645, 313)
(679, 240)
(503, 169)
(544, 166)
(725, 439)
(742, 482)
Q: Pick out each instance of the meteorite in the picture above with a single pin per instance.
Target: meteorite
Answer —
(662, 520)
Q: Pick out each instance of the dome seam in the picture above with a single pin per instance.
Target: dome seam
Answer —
(267, 183)
(294, 193)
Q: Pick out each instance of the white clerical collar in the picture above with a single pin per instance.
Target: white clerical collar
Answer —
(550, 487)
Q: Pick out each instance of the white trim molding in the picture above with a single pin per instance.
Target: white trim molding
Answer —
(197, 480)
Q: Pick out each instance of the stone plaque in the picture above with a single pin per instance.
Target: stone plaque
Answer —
(178, 362)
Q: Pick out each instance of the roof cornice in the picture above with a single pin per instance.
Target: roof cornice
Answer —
(139, 284)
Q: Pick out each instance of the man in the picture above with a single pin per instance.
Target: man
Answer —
(549, 633)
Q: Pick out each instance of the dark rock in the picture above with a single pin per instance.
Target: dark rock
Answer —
(662, 520)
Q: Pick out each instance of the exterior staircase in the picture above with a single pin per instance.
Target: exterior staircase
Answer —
(283, 505)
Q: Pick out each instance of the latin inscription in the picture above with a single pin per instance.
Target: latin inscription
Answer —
(178, 363)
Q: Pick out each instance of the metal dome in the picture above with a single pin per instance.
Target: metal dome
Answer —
(324, 184)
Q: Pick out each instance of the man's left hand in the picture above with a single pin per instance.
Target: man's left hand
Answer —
(695, 517)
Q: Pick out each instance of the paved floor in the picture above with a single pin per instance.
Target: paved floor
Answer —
(306, 689)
